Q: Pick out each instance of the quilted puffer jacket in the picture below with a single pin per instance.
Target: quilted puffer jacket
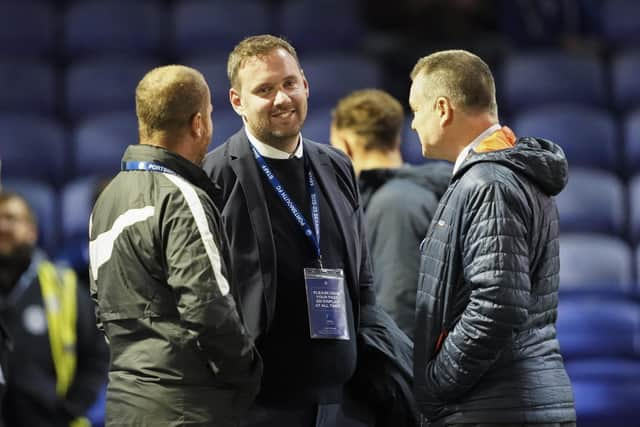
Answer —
(485, 339)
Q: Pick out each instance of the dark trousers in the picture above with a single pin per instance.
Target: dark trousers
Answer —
(346, 414)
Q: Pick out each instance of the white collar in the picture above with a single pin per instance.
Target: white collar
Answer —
(270, 152)
(473, 144)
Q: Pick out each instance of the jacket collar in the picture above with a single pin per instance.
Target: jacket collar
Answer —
(181, 166)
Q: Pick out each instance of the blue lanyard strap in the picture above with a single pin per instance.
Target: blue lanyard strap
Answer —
(146, 166)
(289, 203)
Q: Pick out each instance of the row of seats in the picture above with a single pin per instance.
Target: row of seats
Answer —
(106, 84)
(94, 147)
(526, 82)
(531, 79)
(84, 28)
(30, 26)
(591, 138)
(599, 341)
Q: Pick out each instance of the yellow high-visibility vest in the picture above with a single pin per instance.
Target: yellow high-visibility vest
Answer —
(60, 301)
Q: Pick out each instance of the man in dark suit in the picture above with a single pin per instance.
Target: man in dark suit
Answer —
(292, 213)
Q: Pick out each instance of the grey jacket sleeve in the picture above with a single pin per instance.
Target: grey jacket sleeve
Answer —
(197, 271)
(496, 268)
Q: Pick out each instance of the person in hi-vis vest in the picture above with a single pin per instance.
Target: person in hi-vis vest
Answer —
(58, 362)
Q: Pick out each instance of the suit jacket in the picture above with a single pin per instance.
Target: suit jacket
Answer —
(240, 198)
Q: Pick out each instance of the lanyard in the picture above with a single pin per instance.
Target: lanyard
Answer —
(146, 166)
(297, 214)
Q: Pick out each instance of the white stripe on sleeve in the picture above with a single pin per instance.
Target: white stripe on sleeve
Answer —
(197, 210)
(101, 248)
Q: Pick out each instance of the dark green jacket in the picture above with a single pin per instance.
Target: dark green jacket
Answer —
(180, 354)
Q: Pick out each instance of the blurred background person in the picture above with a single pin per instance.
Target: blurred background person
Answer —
(58, 363)
(398, 199)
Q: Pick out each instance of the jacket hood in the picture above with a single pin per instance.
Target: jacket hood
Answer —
(433, 175)
(540, 160)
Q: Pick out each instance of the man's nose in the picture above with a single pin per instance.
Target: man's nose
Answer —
(281, 98)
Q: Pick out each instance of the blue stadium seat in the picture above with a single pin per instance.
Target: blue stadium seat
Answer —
(637, 259)
(317, 127)
(634, 208)
(631, 131)
(225, 124)
(606, 403)
(606, 368)
(214, 69)
(103, 85)
(540, 78)
(100, 142)
(411, 147)
(98, 27)
(321, 25)
(588, 136)
(32, 147)
(624, 80)
(76, 203)
(27, 28)
(594, 202)
(334, 75)
(595, 262)
(43, 200)
(592, 327)
(620, 22)
(210, 26)
(28, 86)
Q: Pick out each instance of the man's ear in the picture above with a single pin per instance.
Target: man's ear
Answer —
(445, 111)
(236, 101)
(197, 125)
(340, 141)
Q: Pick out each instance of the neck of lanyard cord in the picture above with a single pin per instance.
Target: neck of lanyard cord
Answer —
(314, 238)
(146, 166)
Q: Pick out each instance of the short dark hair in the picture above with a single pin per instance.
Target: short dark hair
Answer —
(168, 97)
(462, 76)
(373, 114)
(255, 46)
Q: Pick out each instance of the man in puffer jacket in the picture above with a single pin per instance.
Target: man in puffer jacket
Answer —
(486, 351)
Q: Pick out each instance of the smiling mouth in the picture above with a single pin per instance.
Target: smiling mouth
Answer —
(283, 114)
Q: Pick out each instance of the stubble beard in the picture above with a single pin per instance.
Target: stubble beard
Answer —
(278, 137)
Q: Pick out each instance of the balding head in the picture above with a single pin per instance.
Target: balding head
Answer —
(167, 98)
(462, 77)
